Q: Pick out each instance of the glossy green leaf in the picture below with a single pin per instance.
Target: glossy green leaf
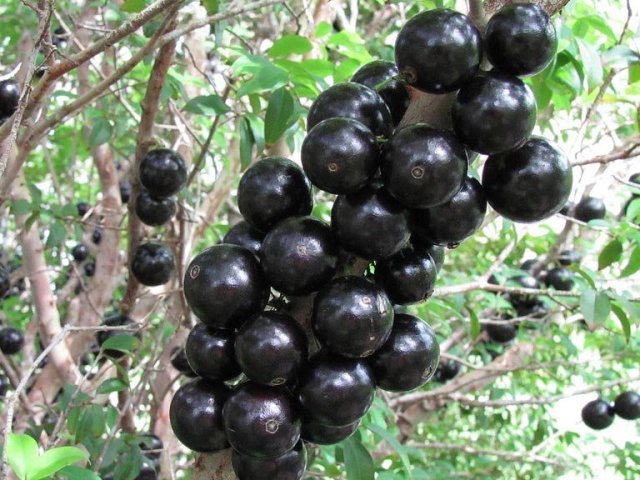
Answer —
(21, 206)
(357, 460)
(21, 451)
(290, 45)
(279, 115)
(101, 132)
(212, 6)
(77, 473)
(122, 343)
(53, 460)
(207, 105)
(396, 445)
(595, 306)
(611, 253)
(112, 385)
(133, 6)
(624, 320)
(57, 233)
(475, 324)
(246, 143)
(633, 265)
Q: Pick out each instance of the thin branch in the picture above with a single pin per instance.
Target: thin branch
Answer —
(629, 150)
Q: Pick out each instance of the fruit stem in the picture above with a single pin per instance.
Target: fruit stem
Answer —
(477, 14)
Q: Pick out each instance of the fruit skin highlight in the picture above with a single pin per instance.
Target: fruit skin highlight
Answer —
(163, 172)
(152, 264)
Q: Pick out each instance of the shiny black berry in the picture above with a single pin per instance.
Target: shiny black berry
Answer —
(96, 236)
(4, 386)
(597, 414)
(502, 332)
(271, 190)
(494, 112)
(438, 51)
(528, 184)
(352, 100)
(381, 76)
(447, 370)
(11, 340)
(154, 211)
(83, 208)
(299, 255)
(196, 415)
(125, 191)
(423, 166)
(569, 257)
(409, 357)
(9, 97)
(80, 252)
(520, 39)
(210, 353)
(520, 300)
(163, 172)
(224, 285)
(180, 362)
(152, 264)
(271, 348)
(261, 421)
(326, 434)
(90, 269)
(352, 316)
(151, 445)
(290, 466)
(590, 208)
(559, 278)
(408, 276)
(246, 236)
(340, 155)
(627, 405)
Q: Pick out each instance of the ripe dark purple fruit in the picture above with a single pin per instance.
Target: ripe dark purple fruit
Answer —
(447, 370)
(147, 472)
(154, 211)
(423, 166)
(210, 353)
(597, 414)
(152, 264)
(271, 190)
(151, 445)
(244, 235)
(408, 276)
(163, 172)
(261, 421)
(335, 391)
(520, 39)
(528, 184)
(453, 221)
(96, 236)
(11, 340)
(224, 285)
(559, 278)
(90, 269)
(569, 257)
(627, 405)
(502, 332)
(5, 281)
(352, 100)
(196, 415)
(80, 252)
(9, 97)
(340, 155)
(409, 357)
(370, 223)
(494, 112)
(438, 51)
(380, 76)
(271, 348)
(116, 320)
(325, 434)
(290, 466)
(590, 208)
(299, 255)
(435, 251)
(125, 191)
(179, 362)
(352, 316)
(83, 208)
(519, 300)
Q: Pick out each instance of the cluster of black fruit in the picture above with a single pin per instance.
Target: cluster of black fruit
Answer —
(402, 196)
(599, 414)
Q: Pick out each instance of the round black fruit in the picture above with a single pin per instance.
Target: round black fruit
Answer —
(90, 269)
(5, 281)
(447, 370)
(224, 285)
(125, 191)
(59, 37)
(494, 112)
(210, 353)
(559, 278)
(152, 264)
(116, 320)
(290, 466)
(569, 257)
(590, 208)
(408, 276)
(9, 97)
(423, 166)
(11, 340)
(382, 77)
(525, 280)
(340, 155)
(627, 405)
(352, 316)
(335, 391)
(326, 434)
(96, 236)
(151, 445)
(271, 190)
(271, 348)
(261, 421)
(196, 415)
(409, 357)
(352, 100)
(163, 172)
(453, 221)
(502, 332)
(83, 208)
(438, 51)
(597, 414)
(528, 184)
(154, 211)
(179, 362)
(147, 472)
(299, 255)
(80, 252)
(246, 236)
(370, 223)
(520, 39)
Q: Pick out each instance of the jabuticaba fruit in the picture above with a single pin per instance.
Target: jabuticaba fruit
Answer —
(408, 276)
(210, 353)
(290, 466)
(163, 172)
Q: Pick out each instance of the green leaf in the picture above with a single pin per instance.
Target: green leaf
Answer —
(133, 6)
(212, 6)
(279, 115)
(586, 275)
(268, 77)
(91, 423)
(624, 320)
(77, 473)
(357, 460)
(246, 143)
(323, 29)
(595, 306)
(610, 253)
(112, 385)
(290, 45)
(207, 105)
(475, 324)
(633, 265)
(396, 445)
(53, 460)
(101, 132)
(56, 234)
(620, 56)
(22, 451)
(591, 63)
(123, 343)
(21, 206)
